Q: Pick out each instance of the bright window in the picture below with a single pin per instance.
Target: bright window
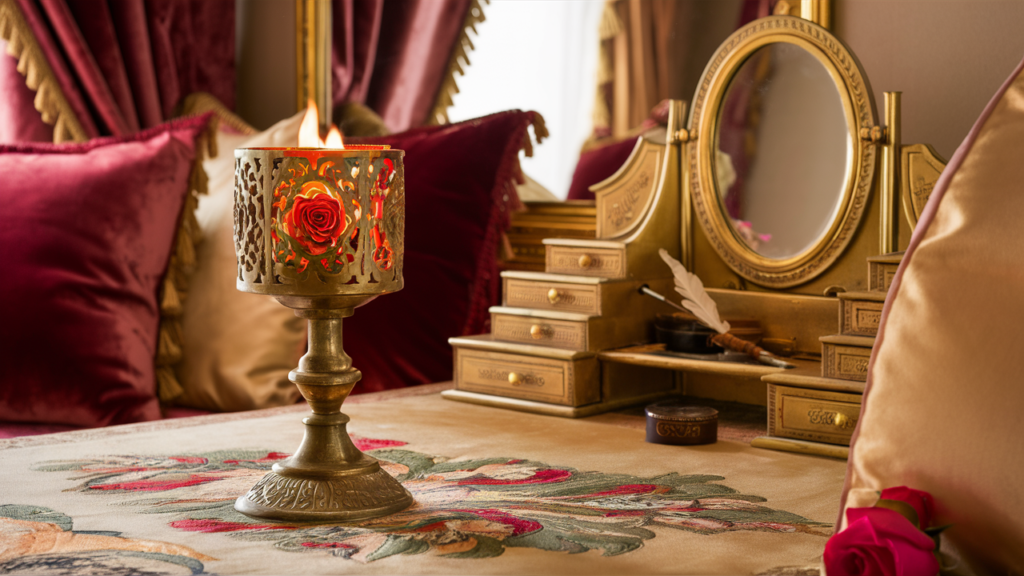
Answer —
(537, 55)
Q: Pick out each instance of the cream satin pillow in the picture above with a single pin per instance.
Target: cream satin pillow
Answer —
(238, 347)
(944, 405)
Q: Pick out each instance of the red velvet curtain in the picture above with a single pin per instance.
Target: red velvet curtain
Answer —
(123, 65)
(392, 55)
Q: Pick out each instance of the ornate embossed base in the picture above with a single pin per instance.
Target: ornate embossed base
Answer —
(328, 479)
(354, 488)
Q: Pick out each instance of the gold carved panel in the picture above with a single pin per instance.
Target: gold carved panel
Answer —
(920, 168)
(624, 198)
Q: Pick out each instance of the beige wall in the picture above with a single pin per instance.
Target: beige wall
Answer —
(265, 61)
(948, 57)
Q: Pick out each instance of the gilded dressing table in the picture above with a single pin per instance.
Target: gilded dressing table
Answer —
(783, 190)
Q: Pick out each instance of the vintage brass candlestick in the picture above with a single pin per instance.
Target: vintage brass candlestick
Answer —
(322, 231)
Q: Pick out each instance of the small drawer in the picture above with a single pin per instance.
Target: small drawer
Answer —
(586, 261)
(566, 334)
(543, 295)
(846, 357)
(860, 317)
(816, 415)
(570, 382)
(881, 274)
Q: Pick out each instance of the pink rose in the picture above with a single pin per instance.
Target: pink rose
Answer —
(880, 542)
(919, 500)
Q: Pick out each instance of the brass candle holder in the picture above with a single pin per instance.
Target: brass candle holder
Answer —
(322, 231)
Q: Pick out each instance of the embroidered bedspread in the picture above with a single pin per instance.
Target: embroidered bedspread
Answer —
(496, 492)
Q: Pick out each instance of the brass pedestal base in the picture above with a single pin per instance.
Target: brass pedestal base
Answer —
(331, 490)
(327, 479)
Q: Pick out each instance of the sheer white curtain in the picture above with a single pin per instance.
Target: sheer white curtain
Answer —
(537, 55)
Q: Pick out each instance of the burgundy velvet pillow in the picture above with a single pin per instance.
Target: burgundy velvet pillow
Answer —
(86, 231)
(459, 182)
(596, 165)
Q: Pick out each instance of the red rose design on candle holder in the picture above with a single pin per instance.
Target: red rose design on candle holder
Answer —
(317, 219)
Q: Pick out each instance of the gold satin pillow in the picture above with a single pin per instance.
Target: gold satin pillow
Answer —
(944, 406)
(238, 348)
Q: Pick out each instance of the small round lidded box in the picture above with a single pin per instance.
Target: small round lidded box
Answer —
(672, 422)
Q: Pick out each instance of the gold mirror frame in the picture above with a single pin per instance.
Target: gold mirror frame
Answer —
(859, 108)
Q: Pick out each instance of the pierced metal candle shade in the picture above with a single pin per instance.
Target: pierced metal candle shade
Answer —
(322, 231)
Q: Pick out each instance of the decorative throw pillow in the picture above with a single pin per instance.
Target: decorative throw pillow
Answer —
(597, 164)
(461, 187)
(86, 234)
(942, 408)
(238, 348)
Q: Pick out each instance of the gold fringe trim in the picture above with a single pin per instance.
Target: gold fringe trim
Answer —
(49, 101)
(174, 290)
(611, 24)
(610, 27)
(203, 102)
(460, 54)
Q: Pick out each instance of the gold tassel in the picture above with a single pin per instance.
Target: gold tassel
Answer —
(186, 253)
(49, 100)
(168, 351)
(190, 224)
(540, 132)
(167, 386)
(211, 136)
(170, 303)
(540, 129)
(198, 180)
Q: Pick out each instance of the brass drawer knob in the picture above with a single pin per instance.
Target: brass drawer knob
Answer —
(514, 379)
(554, 296)
(536, 331)
(585, 261)
(841, 420)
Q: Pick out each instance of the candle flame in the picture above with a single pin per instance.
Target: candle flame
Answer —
(309, 131)
(334, 139)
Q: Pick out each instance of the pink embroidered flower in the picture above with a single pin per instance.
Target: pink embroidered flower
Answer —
(880, 542)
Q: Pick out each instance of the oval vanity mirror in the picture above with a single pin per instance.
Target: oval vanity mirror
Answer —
(781, 178)
(782, 151)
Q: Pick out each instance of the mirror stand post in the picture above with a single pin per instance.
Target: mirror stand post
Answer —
(890, 176)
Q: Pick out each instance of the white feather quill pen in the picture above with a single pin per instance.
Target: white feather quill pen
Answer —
(695, 298)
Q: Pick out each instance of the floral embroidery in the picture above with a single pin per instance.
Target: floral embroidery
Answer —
(39, 540)
(463, 509)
